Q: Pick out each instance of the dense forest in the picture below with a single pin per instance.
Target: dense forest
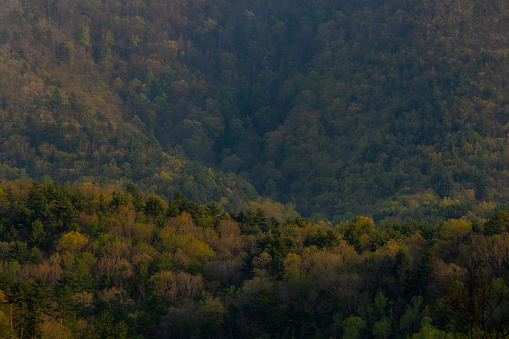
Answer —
(247, 169)
(389, 108)
(86, 262)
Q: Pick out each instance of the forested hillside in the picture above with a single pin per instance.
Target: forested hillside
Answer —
(389, 109)
(256, 112)
(63, 118)
(86, 262)
(168, 169)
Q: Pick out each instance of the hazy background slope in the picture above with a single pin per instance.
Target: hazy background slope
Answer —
(381, 108)
(62, 117)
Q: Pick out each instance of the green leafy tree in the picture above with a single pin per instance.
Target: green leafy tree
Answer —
(497, 223)
(67, 306)
(429, 332)
(211, 312)
(327, 239)
(409, 321)
(141, 278)
(38, 237)
(278, 248)
(354, 327)
(378, 311)
(4, 325)
(106, 328)
(301, 319)
(30, 302)
(84, 37)
(266, 310)
(107, 41)
(18, 251)
(154, 206)
(422, 273)
(261, 219)
(155, 308)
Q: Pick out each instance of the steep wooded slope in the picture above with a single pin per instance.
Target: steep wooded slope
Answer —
(382, 108)
(406, 103)
(62, 117)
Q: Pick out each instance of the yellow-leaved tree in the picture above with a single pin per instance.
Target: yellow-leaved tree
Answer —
(72, 242)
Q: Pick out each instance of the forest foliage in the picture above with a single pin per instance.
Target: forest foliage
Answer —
(384, 108)
(86, 262)
(175, 145)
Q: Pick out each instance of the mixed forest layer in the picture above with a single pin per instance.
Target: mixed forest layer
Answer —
(86, 262)
(258, 112)
(335, 108)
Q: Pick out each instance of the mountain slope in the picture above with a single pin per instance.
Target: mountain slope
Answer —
(401, 100)
(61, 119)
(388, 109)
